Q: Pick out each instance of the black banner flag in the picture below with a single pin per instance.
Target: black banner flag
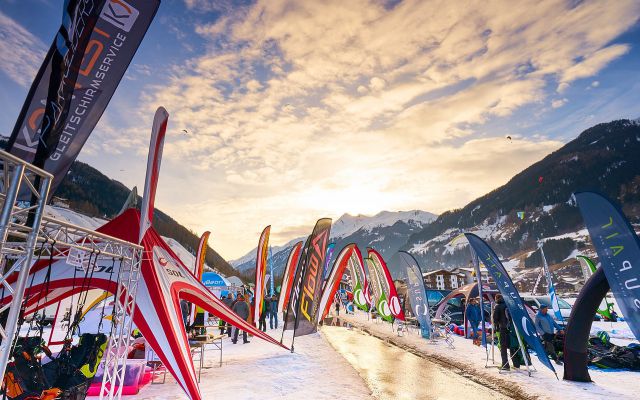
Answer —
(310, 287)
(88, 57)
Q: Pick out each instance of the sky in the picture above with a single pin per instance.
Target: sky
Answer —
(297, 110)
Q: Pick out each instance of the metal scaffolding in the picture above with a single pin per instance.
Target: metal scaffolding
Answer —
(22, 228)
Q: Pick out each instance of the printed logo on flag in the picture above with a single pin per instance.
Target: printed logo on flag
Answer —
(119, 14)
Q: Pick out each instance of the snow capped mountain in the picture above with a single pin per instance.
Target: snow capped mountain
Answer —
(349, 224)
(361, 229)
(250, 257)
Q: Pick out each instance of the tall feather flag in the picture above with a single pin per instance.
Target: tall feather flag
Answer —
(618, 249)
(550, 286)
(417, 293)
(81, 71)
(305, 299)
(512, 298)
(198, 268)
(333, 281)
(158, 132)
(391, 300)
(261, 270)
(287, 278)
(357, 270)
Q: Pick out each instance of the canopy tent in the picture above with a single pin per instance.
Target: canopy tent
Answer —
(234, 281)
(466, 292)
(217, 284)
(213, 279)
(165, 280)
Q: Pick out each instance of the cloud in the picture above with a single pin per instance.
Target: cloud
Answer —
(305, 109)
(557, 103)
(594, 63)
(22, 51)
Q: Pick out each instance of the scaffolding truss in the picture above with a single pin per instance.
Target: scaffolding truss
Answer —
(24, 228)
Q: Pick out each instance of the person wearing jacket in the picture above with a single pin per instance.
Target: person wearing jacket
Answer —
(262, 323)
(273, 312)
(184, 309)
(472, 313)
(242, 309)
(501, 322)
(546, 326)
(228, 301)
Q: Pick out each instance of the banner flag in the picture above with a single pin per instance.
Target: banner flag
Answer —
(80, 73)
(132, 200)
(417, 293)
(379, 299)
(618, 251)
(261, 271)
(588, 269)
(551, 287)
(308, 302)
(201, 254)
(388, 287)
(327, 260)
(333, 282)
(156, 144)
(476, 266)
(296, 288)
(287, 278)
(361, 293)
(511, 296)
(198, 269)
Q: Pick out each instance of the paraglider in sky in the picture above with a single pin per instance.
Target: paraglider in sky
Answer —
(185, 131)
(509, 137)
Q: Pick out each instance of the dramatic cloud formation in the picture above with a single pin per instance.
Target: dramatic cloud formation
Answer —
(307, 109)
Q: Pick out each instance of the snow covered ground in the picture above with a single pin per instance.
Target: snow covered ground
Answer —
(259, 370)
(542, 384)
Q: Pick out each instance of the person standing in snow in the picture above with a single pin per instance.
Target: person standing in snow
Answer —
(262, 323)
(472, 313)
(273, 312)
(546, 326)
(184, 308)
(242, 309)
(501, 323)
(337, 303)
(228, 301)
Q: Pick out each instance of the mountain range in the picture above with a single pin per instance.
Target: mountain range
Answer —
(389, 229)
(534, 206)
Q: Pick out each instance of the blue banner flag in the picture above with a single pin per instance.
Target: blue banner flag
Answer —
(476, 266)
(618, 250)
(512, 298)
(417, 293)
(327, 261)
(552, 289)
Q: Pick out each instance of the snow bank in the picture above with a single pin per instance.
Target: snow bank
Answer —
(542, 384)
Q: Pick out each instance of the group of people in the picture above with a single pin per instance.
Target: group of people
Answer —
(270, 310)
(546, 327)
(239, 303)
(240, 306)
